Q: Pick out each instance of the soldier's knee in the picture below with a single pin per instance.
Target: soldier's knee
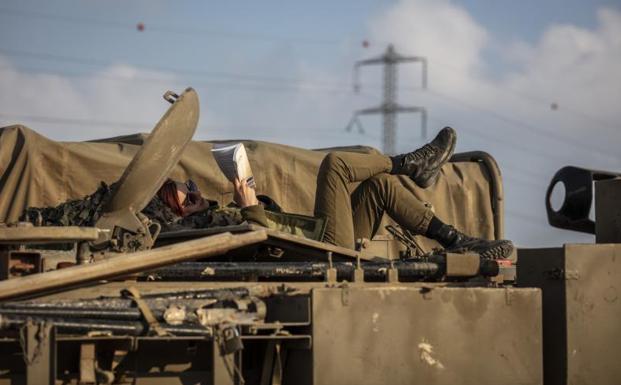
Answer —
(331, 162)
(380, 183)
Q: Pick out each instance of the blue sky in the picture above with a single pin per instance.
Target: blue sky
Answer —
(281, 71)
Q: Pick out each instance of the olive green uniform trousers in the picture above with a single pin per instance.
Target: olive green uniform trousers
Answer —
(351, 216)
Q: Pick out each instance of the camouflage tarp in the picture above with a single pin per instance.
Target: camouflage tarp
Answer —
(36, 171)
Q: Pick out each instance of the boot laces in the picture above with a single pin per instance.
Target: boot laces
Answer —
(424, 152)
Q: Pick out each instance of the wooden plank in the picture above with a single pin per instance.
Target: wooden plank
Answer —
(275, 238)
(127, 264)
(47, 234)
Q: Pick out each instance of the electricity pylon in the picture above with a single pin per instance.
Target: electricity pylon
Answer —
(390, 108)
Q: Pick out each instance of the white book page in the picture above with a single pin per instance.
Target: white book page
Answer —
(244, 172)
(233, 161)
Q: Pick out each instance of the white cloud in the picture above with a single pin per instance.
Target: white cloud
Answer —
(37, 99)
(439, 30)
(576, 66)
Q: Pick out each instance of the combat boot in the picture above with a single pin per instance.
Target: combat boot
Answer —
(458, 242)
(423, 165)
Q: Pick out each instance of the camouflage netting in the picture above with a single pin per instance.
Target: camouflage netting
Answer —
(87, 210)
(38, 172)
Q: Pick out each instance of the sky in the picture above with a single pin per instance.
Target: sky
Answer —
(534, 83)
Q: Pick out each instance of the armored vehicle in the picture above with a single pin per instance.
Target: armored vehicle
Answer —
(121, 300)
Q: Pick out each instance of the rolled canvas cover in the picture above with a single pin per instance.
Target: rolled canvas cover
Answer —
(36, 171)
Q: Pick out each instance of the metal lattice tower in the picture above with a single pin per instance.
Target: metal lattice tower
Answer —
(390, 108)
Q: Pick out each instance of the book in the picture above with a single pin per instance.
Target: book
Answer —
(233, 161)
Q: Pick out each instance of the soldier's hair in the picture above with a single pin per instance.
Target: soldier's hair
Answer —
(168, 194)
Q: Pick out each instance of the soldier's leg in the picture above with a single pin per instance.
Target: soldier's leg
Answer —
(338, 169)
(333, 201)
(383, 193)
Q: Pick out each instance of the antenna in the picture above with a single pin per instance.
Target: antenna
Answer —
(390, 108)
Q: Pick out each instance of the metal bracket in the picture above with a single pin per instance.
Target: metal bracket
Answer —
(392, 274)
(358, 272)
(88, 363)
(331, 274)
(170, 97)
(14, 263)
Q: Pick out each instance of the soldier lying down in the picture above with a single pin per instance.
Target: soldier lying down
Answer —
(345, 217)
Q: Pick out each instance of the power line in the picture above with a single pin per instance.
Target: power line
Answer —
(75, 121)
(144, 125)
(520, 181)
(509, 144)
(229, 85)
(525, 217)
(191, 31)
(533, 99)
(237, 76)
(254, 36)
(263, 78)
(293, 82)
(527, 126)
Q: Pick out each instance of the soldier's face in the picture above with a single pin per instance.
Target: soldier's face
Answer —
(182, 192)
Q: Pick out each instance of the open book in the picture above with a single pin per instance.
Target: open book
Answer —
(233, 162)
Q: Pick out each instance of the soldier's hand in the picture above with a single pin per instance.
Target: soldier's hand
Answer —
(244, 195)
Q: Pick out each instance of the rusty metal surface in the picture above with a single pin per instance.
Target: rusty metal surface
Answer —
(608, 211)
(593, 313)
(405, 335)
(14, 263)
(582, 308)
(382, 333)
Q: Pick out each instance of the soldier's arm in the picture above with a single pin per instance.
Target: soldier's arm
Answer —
(246, 198)
(255, 214)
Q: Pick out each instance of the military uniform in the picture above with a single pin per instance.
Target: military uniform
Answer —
(359, 214)
(86, 212)
(340, 217)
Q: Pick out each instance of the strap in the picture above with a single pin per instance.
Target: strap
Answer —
(133, 293)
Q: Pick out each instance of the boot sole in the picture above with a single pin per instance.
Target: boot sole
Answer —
(500, 251)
